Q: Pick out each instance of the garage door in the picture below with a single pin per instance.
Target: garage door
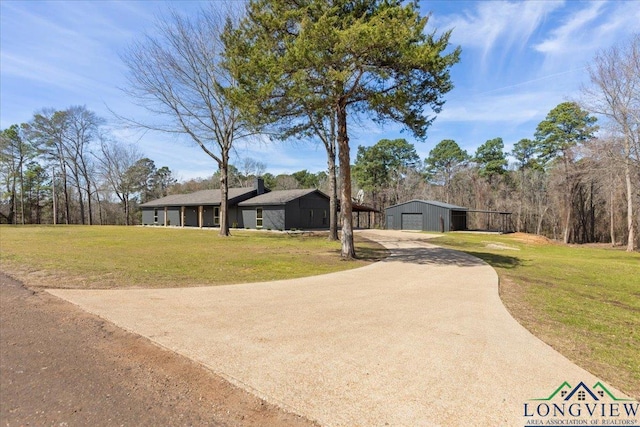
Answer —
(412, 221)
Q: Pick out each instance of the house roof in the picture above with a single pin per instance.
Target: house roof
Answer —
(281, 197)
(203, 197)
(434, 203)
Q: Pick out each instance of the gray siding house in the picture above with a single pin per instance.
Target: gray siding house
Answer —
(199, 209)
(255, 207)
(426, 215)
(286, 209)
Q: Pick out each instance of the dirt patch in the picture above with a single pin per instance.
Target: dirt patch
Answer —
(62, 366)
(500, 246)
(532, 239)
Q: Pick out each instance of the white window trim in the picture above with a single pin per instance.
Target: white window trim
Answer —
(261, 218)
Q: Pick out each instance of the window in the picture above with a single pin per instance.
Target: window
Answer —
(155, 216)
(216, 216)
(324, 218)
(582, 395)
(259, 218)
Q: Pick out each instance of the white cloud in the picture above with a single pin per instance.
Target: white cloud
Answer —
(564, 38)
(494, 23)
(596, 26)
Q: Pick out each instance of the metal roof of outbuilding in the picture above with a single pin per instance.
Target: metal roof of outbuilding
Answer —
(434, 203)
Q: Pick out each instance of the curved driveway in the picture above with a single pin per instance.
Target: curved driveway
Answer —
(421, 338)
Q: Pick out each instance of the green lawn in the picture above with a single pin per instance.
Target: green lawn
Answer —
(112, 256)
(583, 301)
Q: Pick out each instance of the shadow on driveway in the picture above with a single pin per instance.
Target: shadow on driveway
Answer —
(442, 256)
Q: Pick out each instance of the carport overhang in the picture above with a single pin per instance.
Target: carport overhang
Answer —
(504, 220)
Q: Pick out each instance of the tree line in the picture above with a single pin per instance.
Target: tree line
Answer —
(574, 180)
(64, 167)
(564, 182)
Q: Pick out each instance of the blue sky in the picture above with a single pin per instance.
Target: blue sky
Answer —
(519, 60)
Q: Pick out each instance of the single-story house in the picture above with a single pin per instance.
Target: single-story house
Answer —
(198, 209)
(426, 215)
(286, 209)
(255, 207)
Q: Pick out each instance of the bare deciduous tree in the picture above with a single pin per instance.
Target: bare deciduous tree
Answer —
(615, 94)
(115, 164)
(179, 76)
(81, 129)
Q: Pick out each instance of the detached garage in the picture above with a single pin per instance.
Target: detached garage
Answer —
(424, 215)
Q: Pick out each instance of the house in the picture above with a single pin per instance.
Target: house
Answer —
(426, 215)
(255, 207)
(286, 209)
(199, 209)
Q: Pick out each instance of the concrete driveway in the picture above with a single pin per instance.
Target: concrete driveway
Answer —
(419, 339)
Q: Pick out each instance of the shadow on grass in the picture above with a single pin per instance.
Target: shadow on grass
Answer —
(442, 256)
(496, 260)
(370, 254)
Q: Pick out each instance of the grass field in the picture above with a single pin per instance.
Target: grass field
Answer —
(583, 301)
(111, 256)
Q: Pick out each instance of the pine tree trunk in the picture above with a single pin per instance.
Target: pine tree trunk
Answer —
(333, 197)
(346, 208)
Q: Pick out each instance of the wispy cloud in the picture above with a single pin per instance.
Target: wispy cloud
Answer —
(595, 26)
(495, 24)
(566, 37)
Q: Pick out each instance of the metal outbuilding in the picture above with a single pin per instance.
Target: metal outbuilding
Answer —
(426, 215)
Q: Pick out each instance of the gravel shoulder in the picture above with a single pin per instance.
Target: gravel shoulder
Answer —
(62, 366)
